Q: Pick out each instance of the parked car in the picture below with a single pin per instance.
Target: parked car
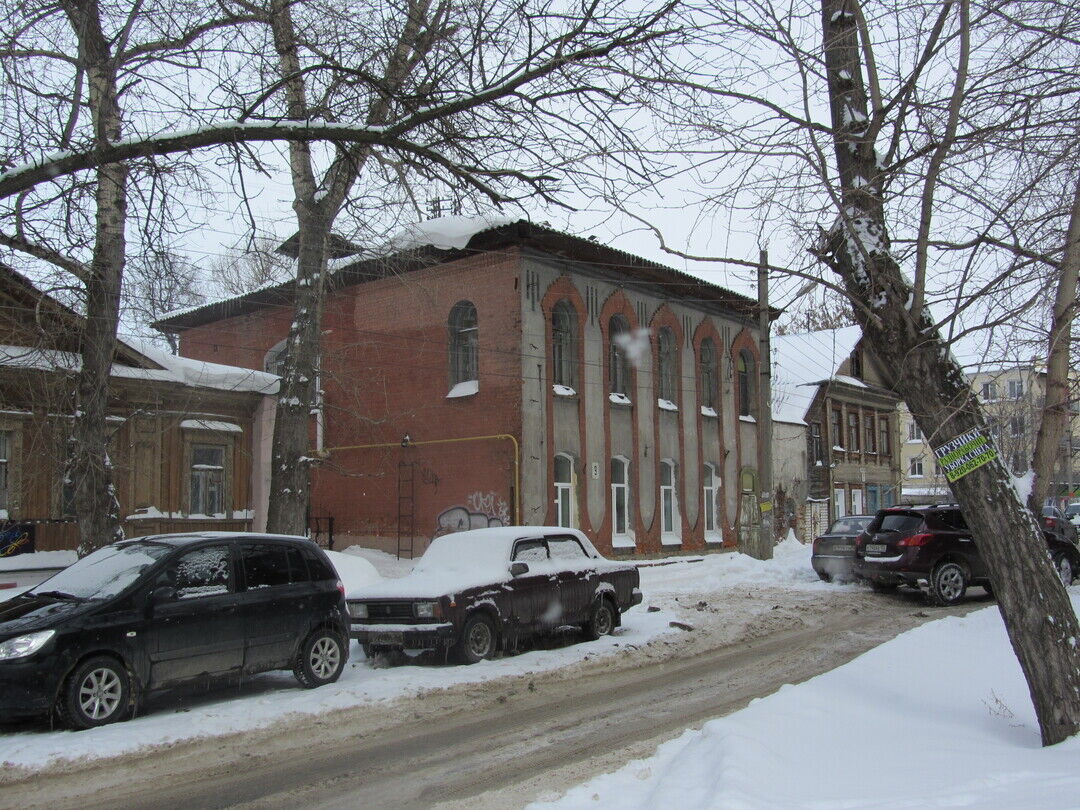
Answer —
(931, 545)
(473, 593)
(165, 610)
(1056, 523)
(1072, 513)
(834, 551)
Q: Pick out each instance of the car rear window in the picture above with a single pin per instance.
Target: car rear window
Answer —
(849, 525)
(901, 522)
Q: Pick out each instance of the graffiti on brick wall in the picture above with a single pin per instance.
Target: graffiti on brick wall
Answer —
(480, 510)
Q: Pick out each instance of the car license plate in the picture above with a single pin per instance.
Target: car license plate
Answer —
(876, 548)
(843, 548)
(385, 638)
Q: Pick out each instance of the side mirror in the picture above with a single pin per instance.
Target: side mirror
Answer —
(161, 594)
(518, 568)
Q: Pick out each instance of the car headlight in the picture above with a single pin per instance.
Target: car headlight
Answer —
(426, 610)
(358, 610)
(23, 646)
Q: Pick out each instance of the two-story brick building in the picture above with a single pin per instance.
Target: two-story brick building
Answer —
(835, 429)
(493, 373)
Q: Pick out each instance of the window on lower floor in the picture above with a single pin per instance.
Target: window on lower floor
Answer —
(564, 491)
(710, 487)
(620, 497)
(5, 469)
(207, 479)
(669, 506)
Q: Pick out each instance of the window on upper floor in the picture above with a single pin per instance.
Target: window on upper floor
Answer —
(1016, 426)
(618, 362)
(913, 432)
(5, 469)
(884, 443)
(707, 366)
(853, 432)
(564, 344)
(274, 361)
(745, 369)
(667, 363)
(1016, 389)
(915, 467)
(989, 391)
(870, 433)
(836, 425)
(462, 343)
(816, 455)
(856, 364)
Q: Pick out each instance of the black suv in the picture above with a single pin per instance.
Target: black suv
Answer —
(932, 545)
(170, 609)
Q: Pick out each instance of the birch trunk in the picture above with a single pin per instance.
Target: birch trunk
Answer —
(1038, 616)
(96, 506)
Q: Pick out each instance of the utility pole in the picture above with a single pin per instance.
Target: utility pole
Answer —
(766, 541)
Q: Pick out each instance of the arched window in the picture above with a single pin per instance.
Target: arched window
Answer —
(274, 361)
(666, 361)
(462, 343)
(744, 373)
(618, 362)
(710, 487)
(620, 499)
(564, 490)
(670, 525)
(564, 344)
(707, 363)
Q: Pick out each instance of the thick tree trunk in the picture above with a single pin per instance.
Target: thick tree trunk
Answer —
(290, 478)
(1038, 616)
(96, 506)
(1055, 412)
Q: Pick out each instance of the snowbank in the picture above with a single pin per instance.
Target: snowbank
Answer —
(38, 559)
(938, 717)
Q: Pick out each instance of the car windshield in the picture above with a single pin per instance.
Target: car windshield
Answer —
(850, 525)
(105, 572)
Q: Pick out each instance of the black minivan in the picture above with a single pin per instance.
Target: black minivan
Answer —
(164, 610)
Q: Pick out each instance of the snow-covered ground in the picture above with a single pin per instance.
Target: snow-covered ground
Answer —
(938, 717)
(270, 697)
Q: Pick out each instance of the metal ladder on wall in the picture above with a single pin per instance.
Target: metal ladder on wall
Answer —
(406, 512)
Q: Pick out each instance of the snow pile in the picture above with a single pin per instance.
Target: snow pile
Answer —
(386, 564)
(38, 559)
(444, 233)
(938, 717)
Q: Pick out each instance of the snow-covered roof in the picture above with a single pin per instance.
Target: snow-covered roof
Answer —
(425, 244)
(444, 233)
(181, 370)
(804, 360)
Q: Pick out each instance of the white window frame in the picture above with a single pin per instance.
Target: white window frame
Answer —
(1016, 389)
(204, 473)
(840, 496)
(565, 507)
(620, 492)
(913, 432)
(710, 491)
(915, 463)
(670, 519)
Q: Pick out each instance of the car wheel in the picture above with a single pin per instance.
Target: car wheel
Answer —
(320, 660)
(824, 577)
(98, 692)
(1064, 568)
(477, 642)
(948, 584)
(883, 587)
(601, 621)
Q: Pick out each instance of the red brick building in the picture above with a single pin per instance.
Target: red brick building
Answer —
(519, 375)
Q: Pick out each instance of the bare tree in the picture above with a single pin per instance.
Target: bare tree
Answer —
(157, 283)
(258, 264)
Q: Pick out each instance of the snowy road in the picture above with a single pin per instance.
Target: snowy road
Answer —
(507, 741)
